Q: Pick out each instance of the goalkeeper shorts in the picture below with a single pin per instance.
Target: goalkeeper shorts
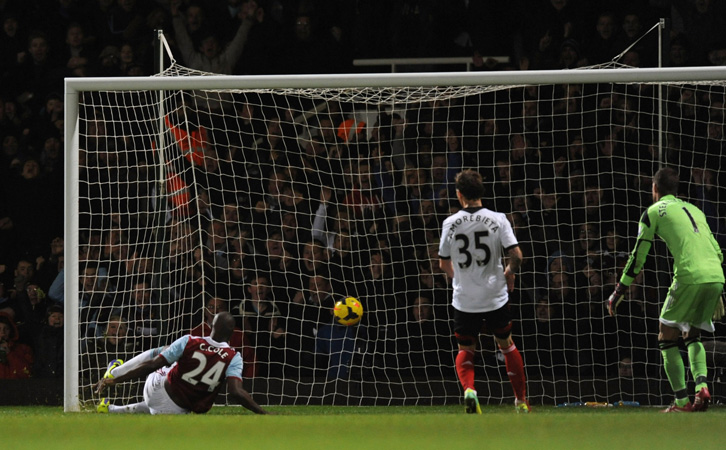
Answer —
(691, 305)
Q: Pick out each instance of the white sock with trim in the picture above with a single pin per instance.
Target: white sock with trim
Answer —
(136, 361)
(134, 408)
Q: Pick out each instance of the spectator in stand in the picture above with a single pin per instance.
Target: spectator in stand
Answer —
(546, 26)
(588, 247)
(31, 308)
(309, 310)
(35, 210)
(717, 54)
(363, 198)
(48, 345)
(6, 306)
(241, 263)
(48, 122)
(633, 33)
(680, 52)
(12, 48)
(128, 62)
(113, 342)
(261, 316)
(603, 46)
(702, 22)
(40, 73)
(589, 283)
(51, 160)
(425, 342)
(570, 56)
(311, 49)
(336, 344)
(209, 55)
(13, 121)
(125, 22)
(615, 247)
(313, 261)
(281, 263)
(22, 277)
(16, 359)
(78, 53)
(144, 312)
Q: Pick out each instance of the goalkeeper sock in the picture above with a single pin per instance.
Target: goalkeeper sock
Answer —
(465, 368)
(136, 361)
(515, 371)
(697, 358)
(134, 408)
(674, 367)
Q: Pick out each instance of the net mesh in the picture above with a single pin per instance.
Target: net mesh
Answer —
(274, 204)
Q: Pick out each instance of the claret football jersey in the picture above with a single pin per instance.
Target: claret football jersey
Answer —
(201, 366)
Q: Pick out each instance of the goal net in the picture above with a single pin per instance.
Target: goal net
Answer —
(273, 197)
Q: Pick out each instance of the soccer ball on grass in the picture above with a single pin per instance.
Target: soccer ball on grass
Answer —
(348, 311)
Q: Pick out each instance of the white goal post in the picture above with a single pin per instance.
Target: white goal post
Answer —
(92, 220)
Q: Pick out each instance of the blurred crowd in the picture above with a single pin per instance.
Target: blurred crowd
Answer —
(351, 208)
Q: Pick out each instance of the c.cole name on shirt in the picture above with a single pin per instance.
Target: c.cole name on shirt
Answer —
(209, 348)
(493, 226)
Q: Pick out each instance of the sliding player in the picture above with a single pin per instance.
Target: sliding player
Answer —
(184, 377)
(695, 293)
(470, 249)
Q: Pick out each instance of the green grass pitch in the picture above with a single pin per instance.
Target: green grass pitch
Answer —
(335, 427)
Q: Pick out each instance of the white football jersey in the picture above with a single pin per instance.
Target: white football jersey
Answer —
(475, 240)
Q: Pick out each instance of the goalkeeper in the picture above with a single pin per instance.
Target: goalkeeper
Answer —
(694, 297)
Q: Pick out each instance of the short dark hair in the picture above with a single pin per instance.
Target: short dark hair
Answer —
(666, 181)
(222, 327)
(470, 184)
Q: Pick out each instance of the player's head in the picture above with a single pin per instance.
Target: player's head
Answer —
(665, 182)
(222, 327)
(470, 185)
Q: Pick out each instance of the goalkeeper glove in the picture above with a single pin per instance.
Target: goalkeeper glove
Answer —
(719, 312)
(616, 297)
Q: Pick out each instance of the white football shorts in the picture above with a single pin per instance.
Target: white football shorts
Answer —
(156, 397)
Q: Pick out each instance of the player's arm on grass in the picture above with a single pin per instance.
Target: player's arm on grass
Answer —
(234, 387)
(142, 370)
(514, 262)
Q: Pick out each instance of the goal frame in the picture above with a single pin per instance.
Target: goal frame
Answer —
(74, 87)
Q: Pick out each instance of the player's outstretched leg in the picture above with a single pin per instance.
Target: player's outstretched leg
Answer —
(471, 400)
(515, 372)
(112, 365)
(675, 370)
(699, 370)
(105, 407)
(104, 404)
(134, 408)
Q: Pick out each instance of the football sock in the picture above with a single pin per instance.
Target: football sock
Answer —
(697, 358)
(674, 367)
(515, 371)
(465, 368)
(135, 361)
(134, 408)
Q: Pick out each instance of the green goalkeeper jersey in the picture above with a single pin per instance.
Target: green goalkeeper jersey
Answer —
(696, 254)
